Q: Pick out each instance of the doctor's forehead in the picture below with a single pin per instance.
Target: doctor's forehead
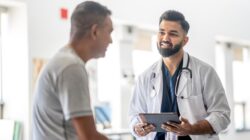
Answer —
(170, 26)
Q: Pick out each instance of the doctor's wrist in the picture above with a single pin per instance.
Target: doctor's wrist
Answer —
(200, 128)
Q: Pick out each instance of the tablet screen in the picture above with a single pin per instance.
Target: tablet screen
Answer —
(157, 119)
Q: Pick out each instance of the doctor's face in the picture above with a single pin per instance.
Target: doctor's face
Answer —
(171, 38)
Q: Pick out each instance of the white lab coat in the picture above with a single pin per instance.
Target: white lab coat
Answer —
(200, 97)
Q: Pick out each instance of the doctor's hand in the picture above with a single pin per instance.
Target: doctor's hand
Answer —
(142, 129)
(182, 129)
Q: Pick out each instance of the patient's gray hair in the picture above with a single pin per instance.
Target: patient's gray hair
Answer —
(85, 15)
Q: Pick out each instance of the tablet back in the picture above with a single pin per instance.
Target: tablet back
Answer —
(157, 119)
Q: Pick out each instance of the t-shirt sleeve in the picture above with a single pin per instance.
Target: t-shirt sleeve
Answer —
(74, 92)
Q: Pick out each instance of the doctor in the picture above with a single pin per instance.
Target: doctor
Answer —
(179, 83)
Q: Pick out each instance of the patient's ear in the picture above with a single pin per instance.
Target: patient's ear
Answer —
(94, 31)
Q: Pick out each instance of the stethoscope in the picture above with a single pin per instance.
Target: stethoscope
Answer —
(183, 69)
(180, 72)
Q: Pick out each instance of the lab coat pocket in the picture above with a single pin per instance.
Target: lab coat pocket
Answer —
(192, 106)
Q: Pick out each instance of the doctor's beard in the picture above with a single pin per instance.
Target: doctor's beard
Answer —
(166, 52)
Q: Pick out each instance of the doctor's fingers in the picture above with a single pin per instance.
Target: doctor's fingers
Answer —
(140, 131)
(175, 129)
(169, 127)
(139, 126)
(149, 128)
(142, 124)
(143, 130)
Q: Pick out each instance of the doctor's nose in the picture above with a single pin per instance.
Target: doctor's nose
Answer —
(165, 37)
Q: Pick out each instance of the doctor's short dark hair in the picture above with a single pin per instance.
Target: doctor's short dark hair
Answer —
(87, 14)
(172, 15)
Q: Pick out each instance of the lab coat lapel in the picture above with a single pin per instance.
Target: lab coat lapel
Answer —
(157, 85)
(158, 78)
(183, 76)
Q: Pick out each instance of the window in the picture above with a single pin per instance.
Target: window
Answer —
(3, 25)
(232, 65)
(241, 70)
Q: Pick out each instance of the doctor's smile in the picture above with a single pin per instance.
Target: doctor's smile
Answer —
(166, 44)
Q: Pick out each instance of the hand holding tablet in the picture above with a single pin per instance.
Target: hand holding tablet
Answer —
(143, 129)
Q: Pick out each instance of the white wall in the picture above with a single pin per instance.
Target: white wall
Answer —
(47, 32)
(206, 18)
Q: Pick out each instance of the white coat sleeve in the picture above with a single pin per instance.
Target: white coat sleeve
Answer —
(215, 101)
(137, 104)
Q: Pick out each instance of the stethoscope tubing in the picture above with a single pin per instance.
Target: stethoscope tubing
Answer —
(178, 77)
(178, 80)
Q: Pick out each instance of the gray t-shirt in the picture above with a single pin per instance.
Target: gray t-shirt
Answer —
(61, 94)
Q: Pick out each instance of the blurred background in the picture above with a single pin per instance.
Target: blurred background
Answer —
(31, 31)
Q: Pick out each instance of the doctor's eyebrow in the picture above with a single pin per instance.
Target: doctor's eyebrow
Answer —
(171, 32)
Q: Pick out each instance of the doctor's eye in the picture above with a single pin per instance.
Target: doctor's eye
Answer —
(161, 33)
(173, 34)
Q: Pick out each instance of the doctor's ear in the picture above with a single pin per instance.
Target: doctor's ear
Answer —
(185, 40)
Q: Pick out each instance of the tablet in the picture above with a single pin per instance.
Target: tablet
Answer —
(157, 119)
